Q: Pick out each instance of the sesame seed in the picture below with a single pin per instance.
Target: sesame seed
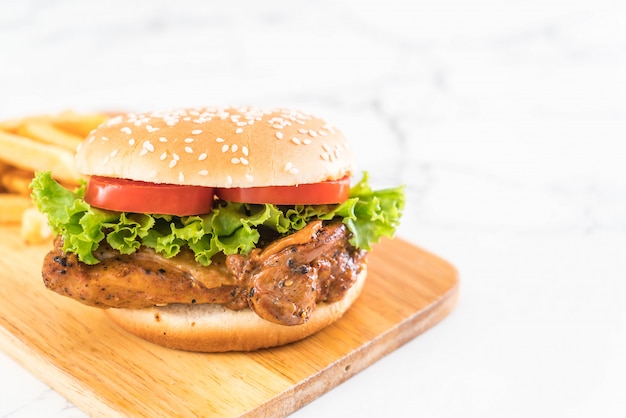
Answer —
(312, 133)
(202, 156)
(235, 160)
(249, 177)
(306, 141)
(279, 135)
(244, 161)
(293, 170)
(181, 176)
(105, 138)
(148, 146)
(302, 130)
(219, 139)
(244, 149)
(175, 156)
(106, 159)
(203, 172)
(143, 152)
(91, 139)
(295, 141)
(225, 147)
(151, 129)
(188, 140)
(239, 130)
(163, 156)
(326, 148)
(162, 139)
(126, 130)
(196, 131)
(172, 163)
(242, 123)
(114, 121)
(170, 123)
(114, 153)
(324, 157)
(323, 133)
(234, 148)
(189, 150)
(277, 126)
(131, 142)
(288, 166)
(229, 180)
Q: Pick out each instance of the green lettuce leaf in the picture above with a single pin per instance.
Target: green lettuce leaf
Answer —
(231, 228)
(370, 214)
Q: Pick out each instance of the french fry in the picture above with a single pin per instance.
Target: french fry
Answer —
(31, 155)
(38, 143)
(16, 180)
(80, 124)
(14, 124)
(34, 228)
(70, 121)
(12, 206)
(47, 133)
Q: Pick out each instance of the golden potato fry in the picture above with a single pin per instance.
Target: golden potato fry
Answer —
(48, 133)
(70, 121)
(79, 124)
(31, 155)
(14, 124)
(38, 142)
(12, 206)
(34, 228)
(16, 180)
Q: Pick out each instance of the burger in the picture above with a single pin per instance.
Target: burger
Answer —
(215, 229)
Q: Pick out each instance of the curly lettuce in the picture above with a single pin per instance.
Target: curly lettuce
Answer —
(230, 228)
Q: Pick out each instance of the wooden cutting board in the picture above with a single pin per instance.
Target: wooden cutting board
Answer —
(107, 372)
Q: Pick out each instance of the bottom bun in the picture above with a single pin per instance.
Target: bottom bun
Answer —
(214, 328)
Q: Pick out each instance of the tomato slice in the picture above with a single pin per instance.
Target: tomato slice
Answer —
(124, 195)
(327, 192)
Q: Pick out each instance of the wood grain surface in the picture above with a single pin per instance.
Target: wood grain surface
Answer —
(107, 372)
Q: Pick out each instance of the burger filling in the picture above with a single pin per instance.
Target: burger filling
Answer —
(281, 282)
(278, 260)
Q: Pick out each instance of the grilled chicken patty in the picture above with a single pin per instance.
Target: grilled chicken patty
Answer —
(282, 282)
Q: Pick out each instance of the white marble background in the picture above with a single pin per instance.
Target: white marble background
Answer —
(505, 119)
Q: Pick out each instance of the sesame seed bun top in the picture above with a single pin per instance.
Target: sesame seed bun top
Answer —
(218, 147)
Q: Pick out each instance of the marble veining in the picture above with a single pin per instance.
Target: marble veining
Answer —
(505, 120)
